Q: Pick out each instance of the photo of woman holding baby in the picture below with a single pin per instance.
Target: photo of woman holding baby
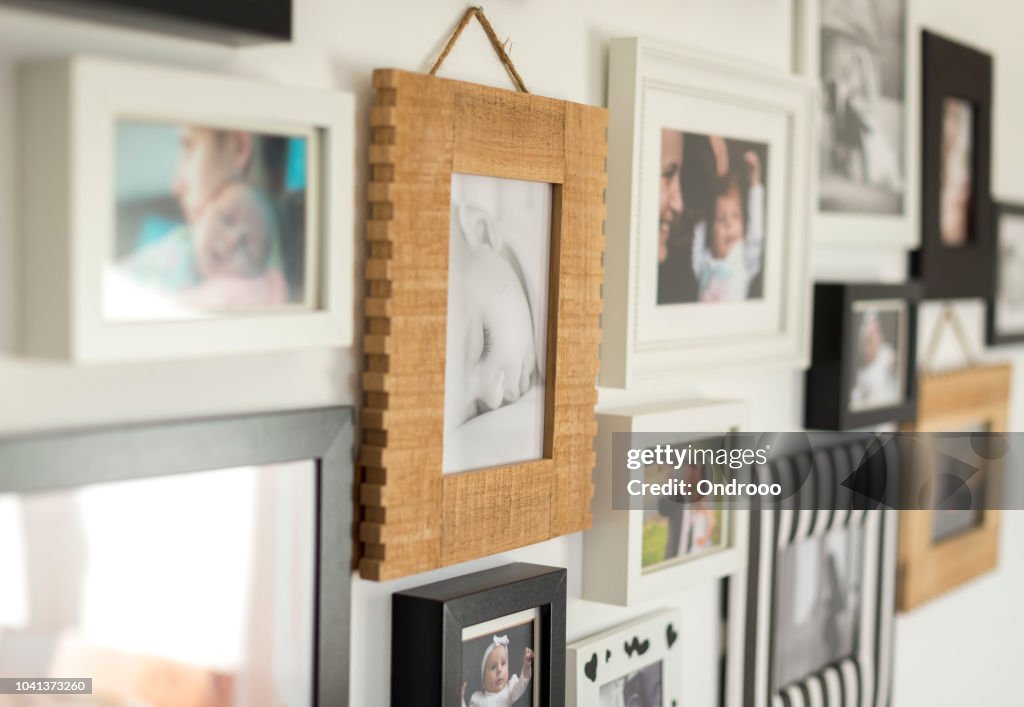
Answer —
(208, 220)
(712, 202)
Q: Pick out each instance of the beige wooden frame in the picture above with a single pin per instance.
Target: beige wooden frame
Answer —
(425, 128)
(947, 401)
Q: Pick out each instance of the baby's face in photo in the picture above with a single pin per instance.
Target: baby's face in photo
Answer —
(496, 670)
(727, 228)
(232, 236)
(494, 356)
(871, 340)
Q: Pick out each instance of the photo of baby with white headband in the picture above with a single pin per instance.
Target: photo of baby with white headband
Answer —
(879, 343)
(498, 666)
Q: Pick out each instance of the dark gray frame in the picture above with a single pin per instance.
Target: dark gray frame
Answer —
(427, 623)
(55, 460)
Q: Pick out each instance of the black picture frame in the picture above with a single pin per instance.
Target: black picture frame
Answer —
(826, 505)
(993, 336)
(69, 459)
(952, 70)
(238, 23)
(427, 623)
(828, 382)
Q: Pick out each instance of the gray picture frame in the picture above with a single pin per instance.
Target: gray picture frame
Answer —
(67, 459)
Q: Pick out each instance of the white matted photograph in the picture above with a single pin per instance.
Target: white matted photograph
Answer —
(500, 660)
(711, 226)
(182, 213)
(879, 354)
(211, 219)
(496, 340)
(862, 163)
(818, 604)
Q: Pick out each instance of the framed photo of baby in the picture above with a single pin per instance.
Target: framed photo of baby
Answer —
(185, 214)
(484, 270)
(490, 638)
(955, 258)
(709, 170)
(863, 355)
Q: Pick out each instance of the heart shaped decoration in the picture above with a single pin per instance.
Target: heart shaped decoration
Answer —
(590, 668)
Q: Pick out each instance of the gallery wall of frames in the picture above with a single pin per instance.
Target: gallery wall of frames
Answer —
(382, 325)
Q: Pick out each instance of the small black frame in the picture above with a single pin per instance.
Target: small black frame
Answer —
(952, 70)
(248, 22)
(828, 381)
(427, 623)
(1000, 210)
(69, 459)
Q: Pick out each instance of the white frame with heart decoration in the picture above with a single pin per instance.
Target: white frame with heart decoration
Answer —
(623, 651)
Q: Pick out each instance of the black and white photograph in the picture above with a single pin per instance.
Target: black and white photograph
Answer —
(711, 218)
(879, 355)
(1008, 307)
(863, 103)
(817, 604)
(496, 342)
(958, 502)
(499, 663)
(957, 181)
(641, 688)
(209, 220)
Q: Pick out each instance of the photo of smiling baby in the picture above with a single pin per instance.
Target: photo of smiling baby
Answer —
(498, 668)
(496, 338)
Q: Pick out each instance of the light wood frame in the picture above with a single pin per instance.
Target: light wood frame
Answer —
(613, 548)
(654, 86)
(425, 128)
(927, 568)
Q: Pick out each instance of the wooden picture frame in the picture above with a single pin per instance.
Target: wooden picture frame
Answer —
(947, 401)
(824, 518)
(671, 293)
(228, 23)
(66, 460)
(955, 78)
(1003, 326)
(85, 301)
(621, 659)
(614, 548)
(841, 311)
(425, 129)
(851, 225)
(429, 626)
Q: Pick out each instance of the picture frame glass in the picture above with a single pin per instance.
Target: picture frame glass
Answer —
(818, 597)
(1009, 300)
(496, 353)
(956, 189)
(679, 529)
(71, 604)
(497, 654)
(639, 688)
(878, 351)
(863, 77)
(212, 220)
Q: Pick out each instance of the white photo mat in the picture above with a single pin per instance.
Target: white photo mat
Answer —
(900, 231)
(654, 86)
(71, 108)
(613, 547)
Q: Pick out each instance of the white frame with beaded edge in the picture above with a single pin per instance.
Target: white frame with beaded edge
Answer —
(883, 230)
(68, 108)
(607, 651)
(650, 85)
(613, 547)
(861, 680)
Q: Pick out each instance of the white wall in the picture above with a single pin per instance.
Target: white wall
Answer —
(947, 652)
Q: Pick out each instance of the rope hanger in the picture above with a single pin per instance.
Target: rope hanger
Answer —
(949, 318)
(499, 47)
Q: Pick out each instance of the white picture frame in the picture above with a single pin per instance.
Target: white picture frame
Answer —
(822, 507)
(895, 231)
(69, 109)
(611, 656)
(613, 570)
(653, 87)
